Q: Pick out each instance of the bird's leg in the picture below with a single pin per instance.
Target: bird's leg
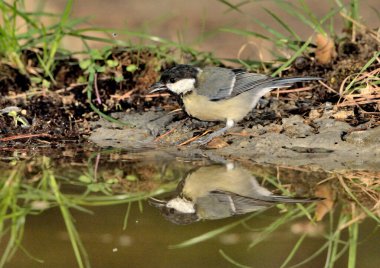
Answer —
(159, 124)
(204, 140)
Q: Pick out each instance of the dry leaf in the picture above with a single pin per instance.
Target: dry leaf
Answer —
(325, 51)
(326, 205)
(217, 143)
(68, 99)
(314, 114)
(340, 115)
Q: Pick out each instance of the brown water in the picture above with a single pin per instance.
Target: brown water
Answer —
(147, 239)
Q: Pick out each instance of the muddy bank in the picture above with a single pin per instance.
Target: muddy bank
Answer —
(331, 124)
(322, 143)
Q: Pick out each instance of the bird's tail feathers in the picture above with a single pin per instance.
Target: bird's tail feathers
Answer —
(284, 82)
(263, 88)
(291, 199)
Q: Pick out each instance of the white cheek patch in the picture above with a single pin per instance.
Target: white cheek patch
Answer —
(181, 205)
(182, 86)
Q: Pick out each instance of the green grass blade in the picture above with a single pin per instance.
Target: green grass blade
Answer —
(232, 261)
(283, 24)
(295, 12)
(353, 231)
(365, 67)
(230, 5)
(211, 234)
(79, 251)
(310, 13)
(311, 257)
(245, 33)
(284, 218)
(295, 55)
(365, 209)
(126, 217)
(93, 107)
(294, 251)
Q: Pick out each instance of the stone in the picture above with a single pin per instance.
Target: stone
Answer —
(295, 127)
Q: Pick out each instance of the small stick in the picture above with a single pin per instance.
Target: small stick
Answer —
(194, 138)
(124, 96)
(353, 103)
(328, 87)
(171, 130)
(96, 89)
(157, 95)
(25, 136)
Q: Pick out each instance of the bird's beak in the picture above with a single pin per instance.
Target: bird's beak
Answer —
(156, 202)
(159, 86)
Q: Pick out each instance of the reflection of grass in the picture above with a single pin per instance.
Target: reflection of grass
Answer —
(62, 202)
(30, 187)
(341, 237)
(11, 212)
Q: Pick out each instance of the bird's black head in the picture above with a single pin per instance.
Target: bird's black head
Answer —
(173, 214)
(179, 72)
(179, 79)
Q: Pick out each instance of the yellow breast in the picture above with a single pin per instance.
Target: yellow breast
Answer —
(202, 108)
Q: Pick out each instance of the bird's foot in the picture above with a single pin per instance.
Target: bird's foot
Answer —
(206, 139)
(203, 140)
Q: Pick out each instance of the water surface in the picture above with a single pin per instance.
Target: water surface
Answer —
(90, 208)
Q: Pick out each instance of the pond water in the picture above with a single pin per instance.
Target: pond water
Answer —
(70, 208)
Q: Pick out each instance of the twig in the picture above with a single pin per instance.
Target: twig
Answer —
(171, 130)
(353, 103)
(241, 134)
(194, 138)
(96, 88)
(124, 96)
(25, 136)
(157, 95)
(363, 27)
(328, 87)
(96, 167)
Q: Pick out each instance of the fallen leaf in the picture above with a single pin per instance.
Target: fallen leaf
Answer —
(325, 51)
(314, 114)
(217, 143)
(343, 114)
(324, 206)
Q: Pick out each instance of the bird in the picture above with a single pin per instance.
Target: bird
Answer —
(219, 94)
(219, 191)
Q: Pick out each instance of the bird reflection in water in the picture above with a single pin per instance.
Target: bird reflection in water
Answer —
(219, 191)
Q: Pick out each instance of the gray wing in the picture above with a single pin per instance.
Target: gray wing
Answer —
(221, 83)
(244, 204)
(216, 83)
(240, 204)
(246, 81)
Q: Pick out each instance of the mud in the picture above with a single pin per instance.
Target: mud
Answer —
(309, 124)
(323, 143)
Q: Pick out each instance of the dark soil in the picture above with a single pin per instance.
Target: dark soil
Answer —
(61, 110)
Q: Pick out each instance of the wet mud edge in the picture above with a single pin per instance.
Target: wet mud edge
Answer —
(325, 144)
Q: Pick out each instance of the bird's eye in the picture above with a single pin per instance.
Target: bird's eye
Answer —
(171, 211)
(172, 80)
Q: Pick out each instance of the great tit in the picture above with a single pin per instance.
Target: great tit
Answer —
(219, 191)
(219, 94)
